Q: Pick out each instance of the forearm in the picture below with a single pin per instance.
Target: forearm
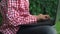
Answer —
(21, 20)
(31, 19)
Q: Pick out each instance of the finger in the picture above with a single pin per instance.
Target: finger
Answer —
(40, 14)
(47, 16)
(44, 18)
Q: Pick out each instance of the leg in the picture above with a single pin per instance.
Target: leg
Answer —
(37, 30)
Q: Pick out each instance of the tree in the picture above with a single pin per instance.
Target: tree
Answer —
(43, 6)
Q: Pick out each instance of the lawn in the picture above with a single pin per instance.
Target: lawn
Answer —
(58, 27)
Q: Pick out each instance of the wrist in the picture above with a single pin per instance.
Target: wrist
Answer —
(37, 17)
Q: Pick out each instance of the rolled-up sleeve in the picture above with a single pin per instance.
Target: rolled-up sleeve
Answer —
(16, 18)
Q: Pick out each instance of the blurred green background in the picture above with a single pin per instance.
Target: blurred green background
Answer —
(37, 7)
(44, 6)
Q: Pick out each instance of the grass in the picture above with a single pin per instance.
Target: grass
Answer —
(58, 27)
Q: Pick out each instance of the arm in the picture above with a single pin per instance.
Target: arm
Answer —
(19, 19)
(20, 16)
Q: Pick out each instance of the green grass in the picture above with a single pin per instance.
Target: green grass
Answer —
(58, 27)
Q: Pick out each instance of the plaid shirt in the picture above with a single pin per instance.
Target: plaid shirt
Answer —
(17, 14)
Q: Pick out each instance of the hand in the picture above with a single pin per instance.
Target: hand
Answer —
(43, 17)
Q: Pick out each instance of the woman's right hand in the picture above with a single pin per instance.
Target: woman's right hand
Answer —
(43, 17)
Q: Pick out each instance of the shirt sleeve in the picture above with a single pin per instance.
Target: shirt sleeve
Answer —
(20, 18)
(0, 7)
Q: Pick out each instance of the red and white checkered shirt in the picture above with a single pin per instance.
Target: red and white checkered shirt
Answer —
(18, 14)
